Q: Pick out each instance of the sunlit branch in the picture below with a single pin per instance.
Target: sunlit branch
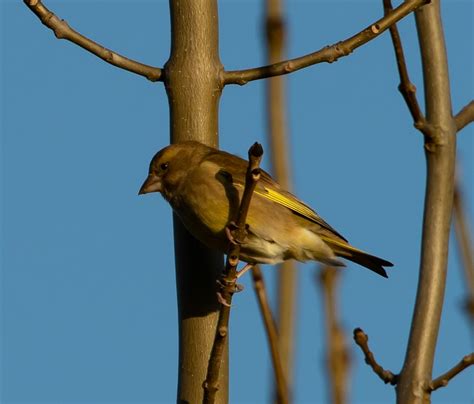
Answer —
(63, 31)
(327, 54)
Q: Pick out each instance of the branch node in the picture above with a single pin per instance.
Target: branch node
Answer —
(223, 331)
(361, 339)
(375, 28)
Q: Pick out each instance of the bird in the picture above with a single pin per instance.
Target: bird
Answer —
(204, 187)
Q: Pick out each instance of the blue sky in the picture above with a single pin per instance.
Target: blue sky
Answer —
(88, 284)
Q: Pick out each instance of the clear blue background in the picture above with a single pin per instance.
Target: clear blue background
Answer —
(88, 283)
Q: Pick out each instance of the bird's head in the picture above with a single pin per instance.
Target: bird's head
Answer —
(170, 166)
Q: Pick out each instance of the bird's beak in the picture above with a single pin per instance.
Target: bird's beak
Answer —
(151, 184)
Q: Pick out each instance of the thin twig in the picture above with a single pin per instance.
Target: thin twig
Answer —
(327, 54)
(362, 340)
(406, 87)
(63, 31)
(461, 229)
(465, 116)
(228, 282)
(272, 335)
(338, 357)
(443, 380)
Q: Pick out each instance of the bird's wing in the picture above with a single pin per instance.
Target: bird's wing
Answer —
(267, 188)
(288, 200)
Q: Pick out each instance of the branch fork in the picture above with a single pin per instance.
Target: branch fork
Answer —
(361, 339)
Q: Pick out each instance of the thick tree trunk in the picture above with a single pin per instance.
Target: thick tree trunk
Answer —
(193, 84)
(440, 150)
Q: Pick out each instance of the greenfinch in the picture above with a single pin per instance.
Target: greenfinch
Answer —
(204, 186)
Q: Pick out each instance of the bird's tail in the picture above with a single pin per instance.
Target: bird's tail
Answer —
(345, 250)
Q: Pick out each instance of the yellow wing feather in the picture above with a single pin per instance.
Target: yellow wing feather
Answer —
(291, 202)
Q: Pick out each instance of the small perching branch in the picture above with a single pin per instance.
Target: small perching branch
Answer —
(62, 30)
(465, 116)
(361, 339)
(443, 380)
(228, 282)
(272, 335)
(337, 353)
(327, 54)
(406, 87)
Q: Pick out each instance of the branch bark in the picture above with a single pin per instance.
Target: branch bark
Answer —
(228, 281)
(406, 87)
(440, 152)
(443, 380)
(193, 84)
(327, 54)
(361, 339)
(275, 35)
(62, 30)
(465, 116)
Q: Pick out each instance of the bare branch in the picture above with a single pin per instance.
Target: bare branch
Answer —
(465, 116)
(275, 36)
(272, 335)
(444, 379)
(327, 54)
(461, 229)
(406, 87)
(337, 357)
(228, 282)
(362, 339)
(440, 153)
(63, 31)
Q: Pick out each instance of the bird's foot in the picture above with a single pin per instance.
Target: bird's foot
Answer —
(232, 233)
(227, 288)
(244, 269)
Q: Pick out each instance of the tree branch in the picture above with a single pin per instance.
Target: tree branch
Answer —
(444, 379)
(275, 38)
(62, 30)
(362, 339)
(327, 54)
(465, 116)
(272, 335)
(406, 87)
(228, 282)
(461, 230)
(440, 153)
(192, 76)
(338, 357)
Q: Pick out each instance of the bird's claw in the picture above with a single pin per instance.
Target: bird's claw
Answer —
(231, 229)
(229, 287)
(222, 300)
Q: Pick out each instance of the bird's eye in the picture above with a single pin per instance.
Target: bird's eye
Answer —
(164, 166)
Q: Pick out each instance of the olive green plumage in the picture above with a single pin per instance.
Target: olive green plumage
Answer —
(204, 185)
